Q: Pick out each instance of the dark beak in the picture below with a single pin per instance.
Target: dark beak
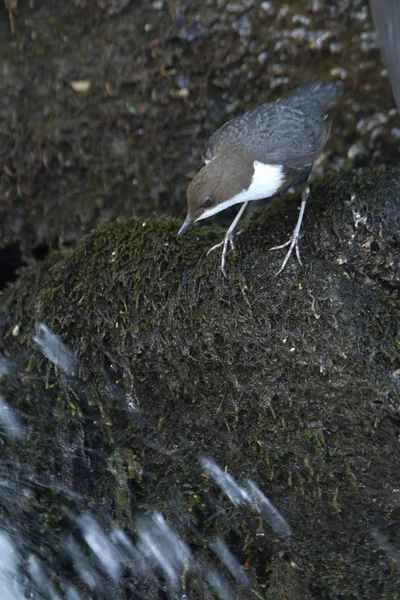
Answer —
(187, 223)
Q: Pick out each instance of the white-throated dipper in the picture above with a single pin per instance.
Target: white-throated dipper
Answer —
(265, 151)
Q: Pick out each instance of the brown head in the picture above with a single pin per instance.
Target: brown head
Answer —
(218, 182)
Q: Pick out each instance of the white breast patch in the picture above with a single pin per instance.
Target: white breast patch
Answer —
(266, 181)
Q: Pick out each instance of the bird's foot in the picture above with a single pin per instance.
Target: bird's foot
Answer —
(294, 238)
(293, 243)
(228, 240)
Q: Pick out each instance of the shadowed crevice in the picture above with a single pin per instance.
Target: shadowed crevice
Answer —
(10, 261)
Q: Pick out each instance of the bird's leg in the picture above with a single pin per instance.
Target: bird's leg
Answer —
(293, 242)
(228, 239)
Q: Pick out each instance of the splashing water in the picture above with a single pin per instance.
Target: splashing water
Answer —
(54, 349)
(9, 581)
(162, 546)
(268, 511)
(250, 495)
(226, 482)
(10, 421)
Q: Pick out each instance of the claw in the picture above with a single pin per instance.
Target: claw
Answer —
(228, 239)
(292, 243)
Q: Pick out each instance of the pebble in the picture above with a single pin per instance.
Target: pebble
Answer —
(268, 8)
(262, 58)
(370, 123)
(244, 27)
(339, 72)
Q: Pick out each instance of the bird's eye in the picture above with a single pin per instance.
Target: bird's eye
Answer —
(207, 202)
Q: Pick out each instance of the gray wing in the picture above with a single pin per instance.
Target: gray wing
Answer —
(284, 135)
(292, 132)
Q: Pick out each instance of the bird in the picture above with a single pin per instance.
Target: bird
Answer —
(260, 154)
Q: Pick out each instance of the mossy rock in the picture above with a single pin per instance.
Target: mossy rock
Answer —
(292, 382)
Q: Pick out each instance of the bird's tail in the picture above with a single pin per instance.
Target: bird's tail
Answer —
(316, 94)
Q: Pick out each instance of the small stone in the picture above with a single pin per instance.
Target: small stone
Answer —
(234, 7)
(268, 8)
(80, 86)
(244, 26)
(362, 15)
(370, 123)
(316, 6)
(339, 72)
(336, 47)
(283, 12)
(301, 20)
(262, 58)
(357, 150)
